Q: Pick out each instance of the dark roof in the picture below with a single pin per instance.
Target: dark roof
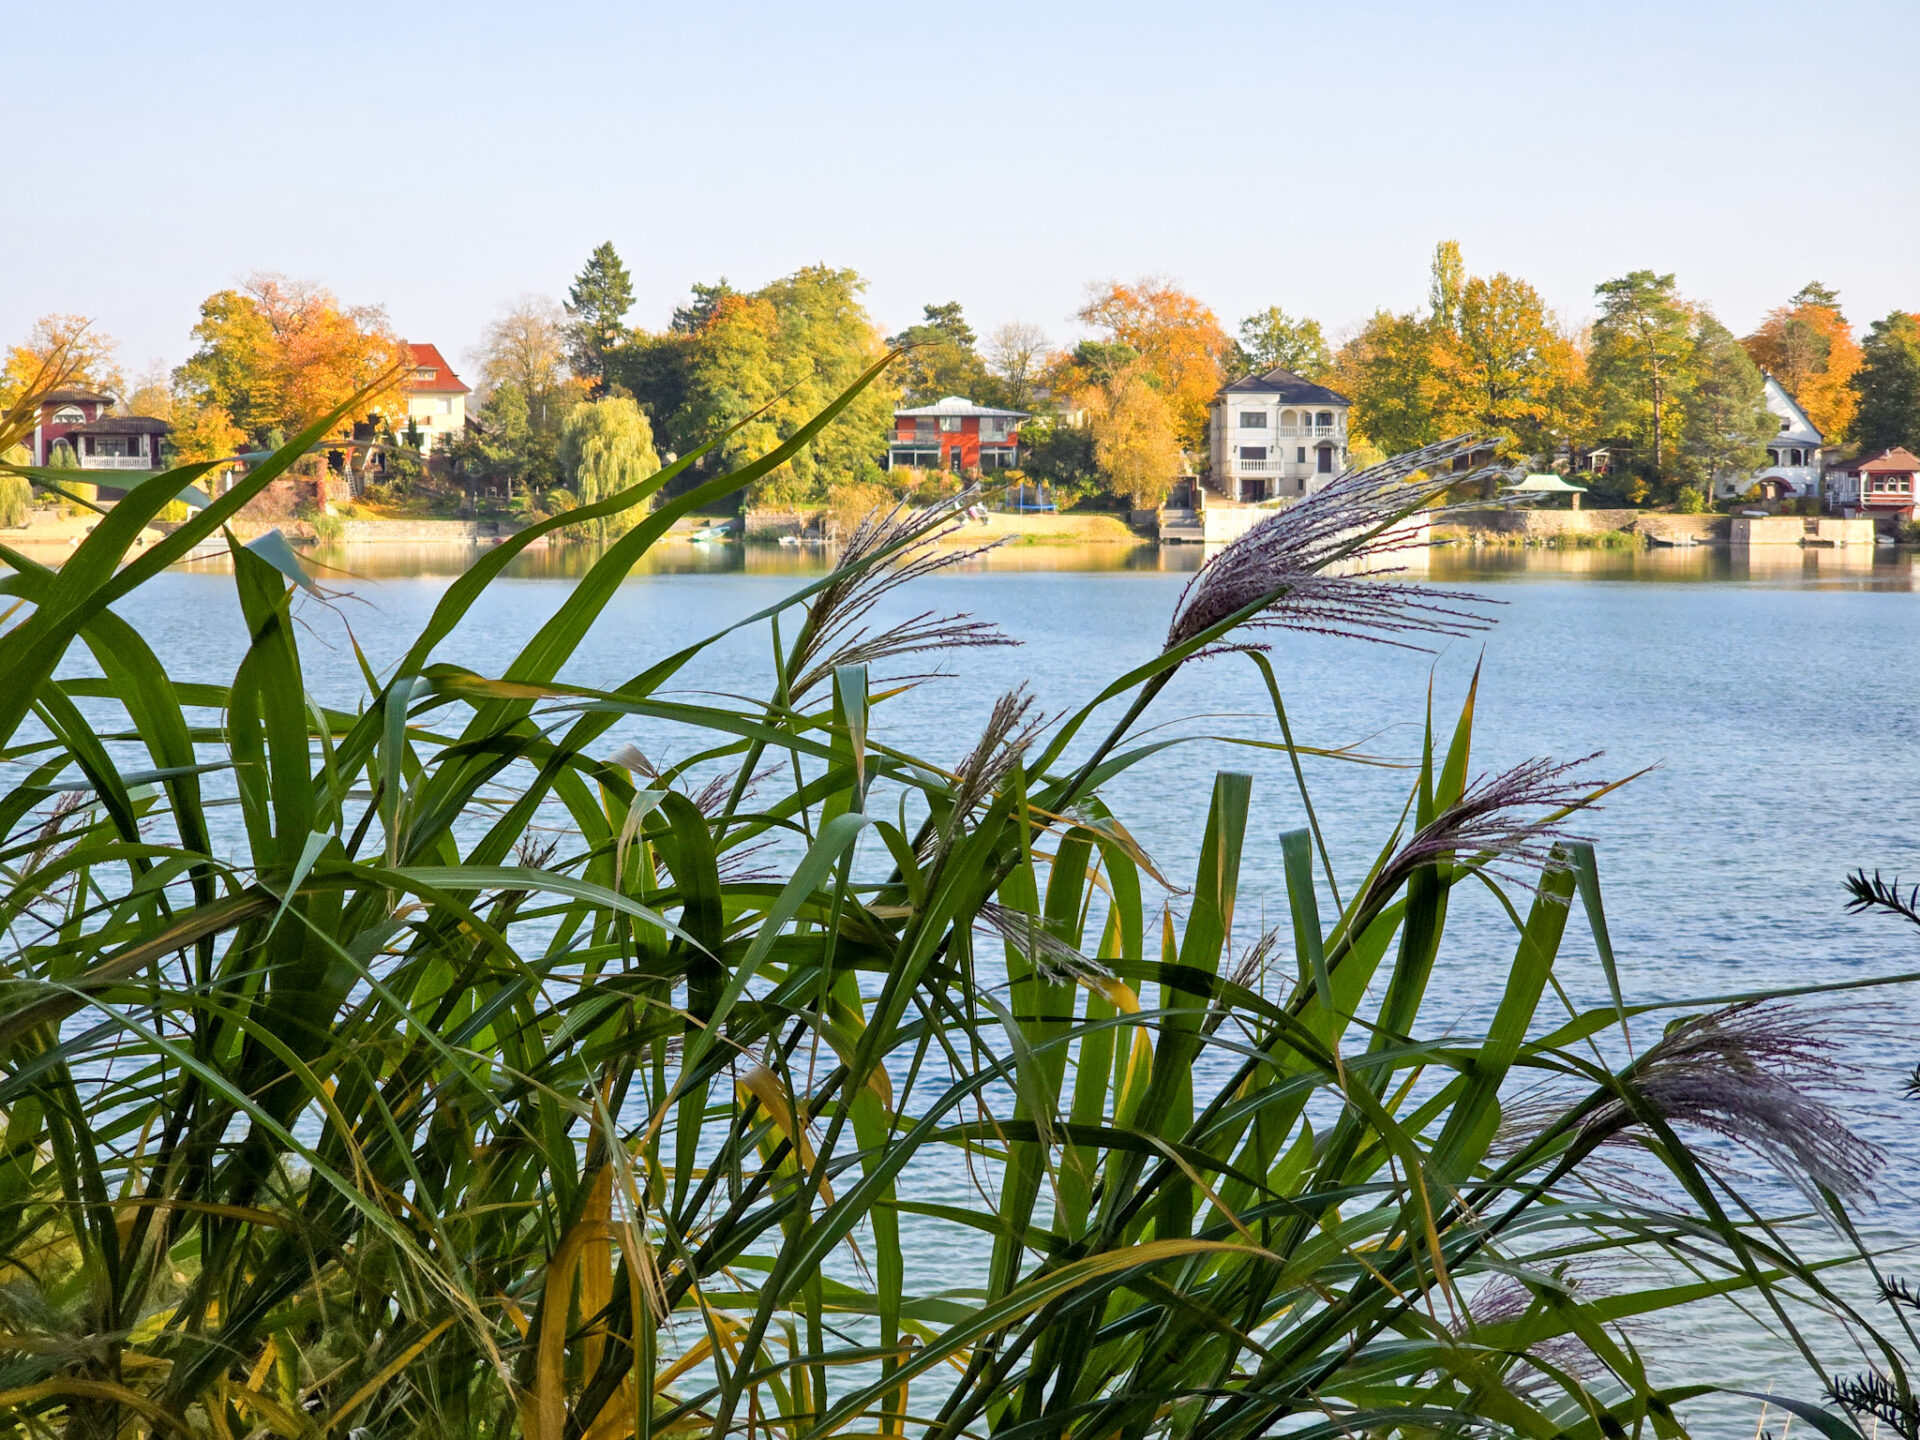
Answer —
(123, 425)
(1289, 387)
(444, 382)
(74, 395)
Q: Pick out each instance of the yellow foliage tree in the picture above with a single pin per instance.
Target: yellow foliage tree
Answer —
(206, 433)
(1179, 341)
(1136, 440)
(1503, 368)
(1808, 346)
(277, 354)
(60, 350)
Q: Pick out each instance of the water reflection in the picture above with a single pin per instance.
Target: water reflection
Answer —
(675, 556)
(1847, 567)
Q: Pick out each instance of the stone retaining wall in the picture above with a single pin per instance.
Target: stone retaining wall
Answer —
(1545, 524)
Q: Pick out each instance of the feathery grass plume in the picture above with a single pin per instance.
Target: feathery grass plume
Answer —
(888, 550)
(1754, 1073)
(1050, 956)
(1495, 826)
(1286, 559)
(1010, 729)
(1505, 1298)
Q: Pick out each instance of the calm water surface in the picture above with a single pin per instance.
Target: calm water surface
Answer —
(1776, 695)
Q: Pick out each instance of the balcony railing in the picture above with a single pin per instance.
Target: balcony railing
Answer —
(116, 462)
(1254, 467)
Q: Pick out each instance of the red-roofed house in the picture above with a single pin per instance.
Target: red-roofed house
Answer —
(436, 398)
(1875, 485)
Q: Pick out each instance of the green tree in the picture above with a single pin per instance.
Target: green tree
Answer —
(780, 355)
(653, 368)
(1273, 338)
(1888, 384)
(694, 318)
(597, 306)
(1724, 420)
(606, 446)
(1061, 456)
(1446, 284)
(1640, 363)
(941, 359)
(504, 447)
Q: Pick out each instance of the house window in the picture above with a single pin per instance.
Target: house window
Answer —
(1253, 452)
(1253, 419)
(428, 373)
(1300, 454)
(950, 423)
(68, 415)
(1324, 419)
(446, 406)
(1786, 424)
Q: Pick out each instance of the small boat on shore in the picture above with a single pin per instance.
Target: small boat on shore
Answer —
(1672, 542)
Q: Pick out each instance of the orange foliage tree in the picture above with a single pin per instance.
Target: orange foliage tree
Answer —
(277, 354)
(60, 350)
(1808, 346)
(1178, 339)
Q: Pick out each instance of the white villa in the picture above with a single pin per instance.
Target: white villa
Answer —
(436, 398)
(1794, 453)
(1276, 436)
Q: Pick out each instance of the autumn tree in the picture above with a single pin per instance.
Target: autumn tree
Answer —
(1016, 353)
(1274, 339)
(597, 306)
(1808, 346)
(941, 359)
(1387, 371)
(151, 393)
(606, 446)
(1642, 343)
(61, 350)
(277, 354)
(1179, 341)
(1888, 384)
(1135, 436)
(1501, 367)
(203, 432)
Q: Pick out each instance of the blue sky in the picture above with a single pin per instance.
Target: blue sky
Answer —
(441, 159)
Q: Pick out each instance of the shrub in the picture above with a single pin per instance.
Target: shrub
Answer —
(16, 501)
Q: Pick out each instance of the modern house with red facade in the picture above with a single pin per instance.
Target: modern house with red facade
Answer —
(955, 434)
(1875, 485)
(99, 439)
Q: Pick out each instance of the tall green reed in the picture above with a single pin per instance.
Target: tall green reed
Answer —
(490, 1085)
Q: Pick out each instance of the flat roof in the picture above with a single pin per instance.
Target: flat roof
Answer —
(960, 405)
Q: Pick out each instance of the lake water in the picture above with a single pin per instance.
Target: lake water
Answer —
(1777, 694)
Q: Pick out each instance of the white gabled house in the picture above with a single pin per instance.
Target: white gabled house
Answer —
(1794, 453)
(1276, 435)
